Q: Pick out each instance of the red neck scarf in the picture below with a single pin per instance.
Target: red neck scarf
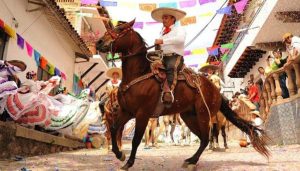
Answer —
(166, 30)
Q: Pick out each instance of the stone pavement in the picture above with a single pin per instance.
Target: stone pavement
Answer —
(164, 158)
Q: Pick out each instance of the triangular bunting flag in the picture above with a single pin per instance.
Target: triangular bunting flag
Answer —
(187, 3)
(213, 50)
(43, 63)
(1, 23)
(37, 57)
(63, 76)
(228, 46)
(224, 57)
(225, 10)
(201, 2)
(9, 31)
(240, 6)
(29, 49)
(57, 71)
(51, 70)
(20, 41)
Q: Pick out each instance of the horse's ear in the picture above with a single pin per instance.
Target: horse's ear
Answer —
(131, 23)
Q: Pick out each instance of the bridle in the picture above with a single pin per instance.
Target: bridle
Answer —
(116, 36)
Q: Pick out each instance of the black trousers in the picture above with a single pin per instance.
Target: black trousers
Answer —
(171, 67)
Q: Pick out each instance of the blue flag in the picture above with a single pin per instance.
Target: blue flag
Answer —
(225, 10)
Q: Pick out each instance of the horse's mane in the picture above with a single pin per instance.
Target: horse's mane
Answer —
(141, 38)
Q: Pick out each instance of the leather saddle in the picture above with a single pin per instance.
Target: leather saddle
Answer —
(184, 73)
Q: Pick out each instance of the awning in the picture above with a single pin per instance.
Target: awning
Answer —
(247, 60)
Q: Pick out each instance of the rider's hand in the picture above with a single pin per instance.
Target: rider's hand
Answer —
(158, 41)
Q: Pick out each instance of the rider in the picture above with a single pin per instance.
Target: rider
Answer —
(171, 40)
(212, 75)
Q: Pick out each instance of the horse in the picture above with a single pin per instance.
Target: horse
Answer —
(219, 124)
(140, 93)
(110, 110)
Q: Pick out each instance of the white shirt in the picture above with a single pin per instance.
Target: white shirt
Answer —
(173, 42)
(296, 43)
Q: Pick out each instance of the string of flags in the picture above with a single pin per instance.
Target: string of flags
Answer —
(148, 7)
(214, 51)
(40, 60)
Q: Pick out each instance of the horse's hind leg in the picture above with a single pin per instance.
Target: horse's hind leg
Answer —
(224, 136)
(201, 129)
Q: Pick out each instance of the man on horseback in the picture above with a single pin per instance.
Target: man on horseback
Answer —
(171, 41)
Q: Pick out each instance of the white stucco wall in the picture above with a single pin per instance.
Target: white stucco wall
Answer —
(38, 31)
(249, 38)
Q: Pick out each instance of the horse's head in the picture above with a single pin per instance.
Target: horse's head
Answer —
(121, 39)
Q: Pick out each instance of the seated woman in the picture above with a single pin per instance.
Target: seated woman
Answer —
(31, 104)
(8, 78)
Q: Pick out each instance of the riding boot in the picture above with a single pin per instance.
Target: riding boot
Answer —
(168, 96)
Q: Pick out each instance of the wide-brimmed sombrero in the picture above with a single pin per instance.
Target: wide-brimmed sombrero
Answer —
(18, 63)
(286, 36)
(255, 113)
(158, 13)
(205, 68)
(111, 71)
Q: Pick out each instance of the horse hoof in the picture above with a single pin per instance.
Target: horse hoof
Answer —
(123, 169)
(191, 167)
(185, 165)
(123, 157)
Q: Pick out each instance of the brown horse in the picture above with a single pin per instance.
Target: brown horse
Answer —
(139, 98)
(110, 111)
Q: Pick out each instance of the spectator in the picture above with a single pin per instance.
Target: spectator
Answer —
(253, 94)
(271, 65)
(292, 44)
(262, 79)
(279, 62)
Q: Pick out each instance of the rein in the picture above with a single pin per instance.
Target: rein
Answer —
(115, 37)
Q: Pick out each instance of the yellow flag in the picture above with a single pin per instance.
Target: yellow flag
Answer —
(114, 22)
(131, 5)
(199, 51)
(188, 20)
(147, 7)
(11, 32)
(208, 14)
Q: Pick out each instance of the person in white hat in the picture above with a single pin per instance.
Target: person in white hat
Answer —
(171, 40)
(115, 75)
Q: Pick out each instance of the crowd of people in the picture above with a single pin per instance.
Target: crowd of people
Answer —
(37, 104)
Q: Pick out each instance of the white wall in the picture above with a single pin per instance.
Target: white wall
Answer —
(249, 38)
(38, 31)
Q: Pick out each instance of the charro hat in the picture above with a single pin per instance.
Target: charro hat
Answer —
(158, 13)
(113, 70)
(255, 113)
(206, 67)
(285, 36)
(18, 63)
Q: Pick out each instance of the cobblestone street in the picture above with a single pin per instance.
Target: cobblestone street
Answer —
(164, 158)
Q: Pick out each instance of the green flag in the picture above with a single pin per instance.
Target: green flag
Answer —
(109, 56)
(228, 46)
(116, 56)
(224, 57)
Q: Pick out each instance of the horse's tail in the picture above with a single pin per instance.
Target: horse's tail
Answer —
(257, 136)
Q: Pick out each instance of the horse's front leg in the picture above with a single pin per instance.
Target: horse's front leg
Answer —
(141, 124)
(121, 120)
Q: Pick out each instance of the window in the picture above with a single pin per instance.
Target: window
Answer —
(3, 39)
(43, 74)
